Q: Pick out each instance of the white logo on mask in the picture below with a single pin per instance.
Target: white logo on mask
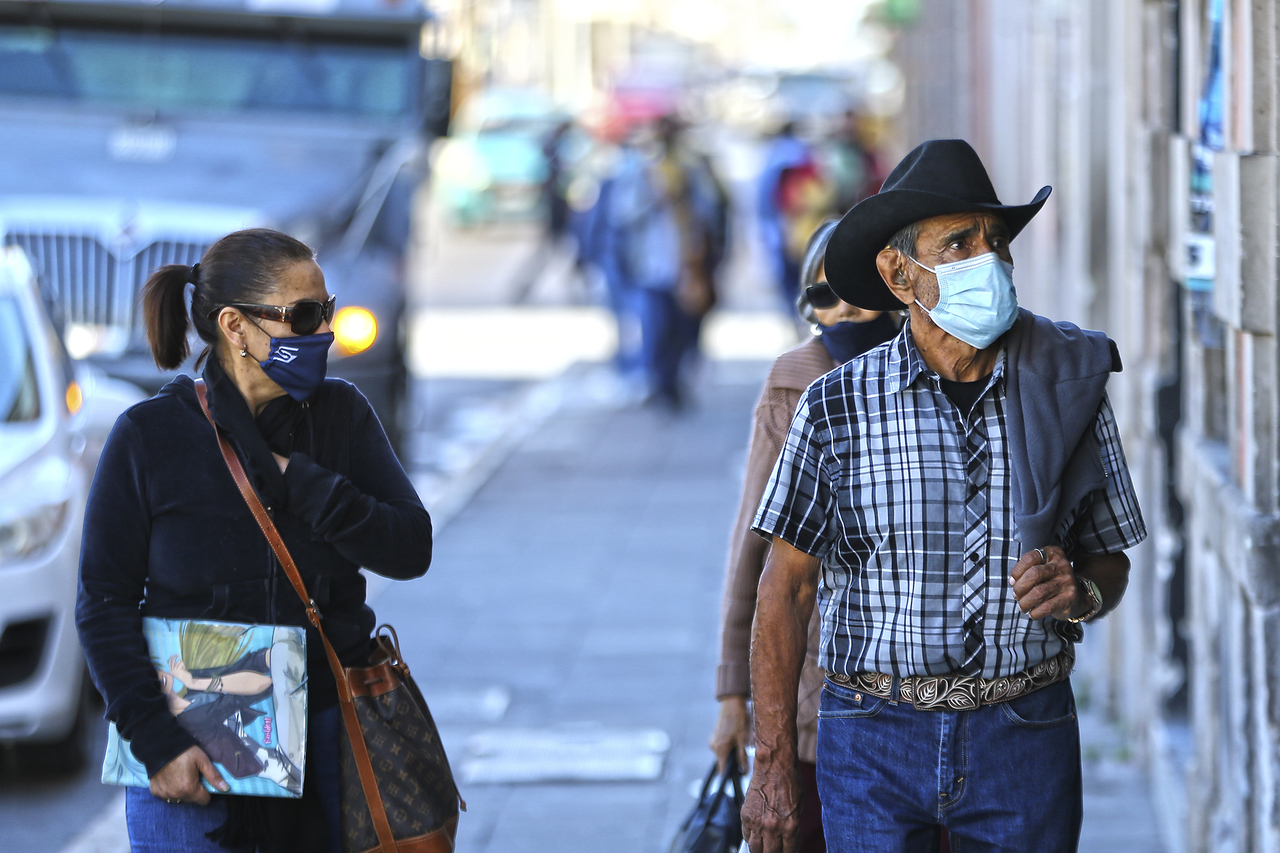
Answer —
(285, 355)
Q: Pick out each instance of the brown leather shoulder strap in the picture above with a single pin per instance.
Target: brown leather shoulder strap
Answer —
(364, 764)
(260, 514)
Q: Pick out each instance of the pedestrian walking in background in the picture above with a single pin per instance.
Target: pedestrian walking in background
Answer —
(851, 162)
(667, 221)
(590, 194)
(793, 197)
(553, 205)
(958, 503)
(167, 533)
(843, 332)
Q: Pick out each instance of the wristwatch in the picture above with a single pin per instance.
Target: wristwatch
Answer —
(1094, 595)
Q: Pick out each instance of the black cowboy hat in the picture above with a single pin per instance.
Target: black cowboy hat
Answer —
(939, 177)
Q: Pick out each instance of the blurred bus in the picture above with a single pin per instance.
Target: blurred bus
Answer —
(135, 133)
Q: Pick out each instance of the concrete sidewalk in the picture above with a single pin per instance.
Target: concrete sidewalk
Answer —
(582, 584)
(568, 630)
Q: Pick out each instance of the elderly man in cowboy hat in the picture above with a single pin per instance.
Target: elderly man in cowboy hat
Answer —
(957, 503)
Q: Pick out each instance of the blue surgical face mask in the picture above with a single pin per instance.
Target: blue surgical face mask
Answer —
(976, 299)
(299, 364)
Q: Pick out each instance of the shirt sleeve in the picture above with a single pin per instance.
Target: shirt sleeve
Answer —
(798, 501)
(372, 518)
(115, 550)
(1113, 520)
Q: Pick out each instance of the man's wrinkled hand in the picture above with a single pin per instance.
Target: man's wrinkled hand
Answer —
(1045, 587)
(771, 813)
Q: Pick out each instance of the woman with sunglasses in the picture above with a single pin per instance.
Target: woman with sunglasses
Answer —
(167, 534)
(841, 333)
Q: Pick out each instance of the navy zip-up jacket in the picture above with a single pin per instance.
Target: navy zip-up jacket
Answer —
(167, 534)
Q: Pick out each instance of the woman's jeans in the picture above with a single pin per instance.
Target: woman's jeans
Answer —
(159, 827)
(1005, 777)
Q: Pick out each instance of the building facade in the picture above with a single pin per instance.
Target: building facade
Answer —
(1157, 123)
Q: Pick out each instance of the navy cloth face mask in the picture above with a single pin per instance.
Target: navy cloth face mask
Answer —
(845, 341)
(299, 364)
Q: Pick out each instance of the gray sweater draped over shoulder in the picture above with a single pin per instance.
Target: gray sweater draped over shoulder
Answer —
(1055, 378)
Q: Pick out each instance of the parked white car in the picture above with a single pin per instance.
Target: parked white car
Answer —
(54, 416)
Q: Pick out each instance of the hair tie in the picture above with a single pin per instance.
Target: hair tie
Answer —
(194, 275)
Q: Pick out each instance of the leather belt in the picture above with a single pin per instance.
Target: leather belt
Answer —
(960, 692)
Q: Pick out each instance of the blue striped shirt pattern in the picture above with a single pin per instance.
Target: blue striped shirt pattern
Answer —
(908, 503)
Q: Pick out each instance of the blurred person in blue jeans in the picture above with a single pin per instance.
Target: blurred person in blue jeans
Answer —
(666, 221)
(590, 194)
(957, 502)
(841, 332)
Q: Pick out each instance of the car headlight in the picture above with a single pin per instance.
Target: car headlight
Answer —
(33, 532)
(85, 339)
(74, 397)
(354, 329)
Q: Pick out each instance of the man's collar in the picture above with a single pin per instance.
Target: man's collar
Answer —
(905, 361)
(906, 364)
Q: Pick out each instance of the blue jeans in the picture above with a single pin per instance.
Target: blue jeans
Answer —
(159, 827)
(1002, 778)
(668, 337)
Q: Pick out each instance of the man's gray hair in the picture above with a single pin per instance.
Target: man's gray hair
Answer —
(905, 240)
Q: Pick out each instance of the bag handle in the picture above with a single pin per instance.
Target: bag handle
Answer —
(732, 776)
(369, 782)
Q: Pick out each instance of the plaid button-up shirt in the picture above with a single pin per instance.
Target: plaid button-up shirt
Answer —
(908, 503)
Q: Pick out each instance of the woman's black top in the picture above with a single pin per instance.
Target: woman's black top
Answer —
(167, 534)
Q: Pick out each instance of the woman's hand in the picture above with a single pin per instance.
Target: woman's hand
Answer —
(282, 461)
(179, 780)
(732, 732)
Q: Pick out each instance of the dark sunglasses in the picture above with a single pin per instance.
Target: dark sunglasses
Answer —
(821, 295)
(303, 317)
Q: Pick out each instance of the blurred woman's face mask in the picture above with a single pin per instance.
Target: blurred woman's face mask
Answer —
(976, 299)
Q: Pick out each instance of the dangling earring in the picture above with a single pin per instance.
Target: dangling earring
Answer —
(244, 352)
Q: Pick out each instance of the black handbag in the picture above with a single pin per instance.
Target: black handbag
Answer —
(397, 792)
(715, 824)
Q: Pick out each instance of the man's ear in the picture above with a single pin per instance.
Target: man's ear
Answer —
(893, 269)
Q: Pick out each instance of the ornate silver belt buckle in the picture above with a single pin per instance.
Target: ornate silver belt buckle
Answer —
(949, 693)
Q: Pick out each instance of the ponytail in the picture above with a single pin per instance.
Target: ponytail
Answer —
(164, 307)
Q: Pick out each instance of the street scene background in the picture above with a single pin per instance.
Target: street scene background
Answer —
(567, 634)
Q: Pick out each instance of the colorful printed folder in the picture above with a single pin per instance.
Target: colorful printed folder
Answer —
(241, 691)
